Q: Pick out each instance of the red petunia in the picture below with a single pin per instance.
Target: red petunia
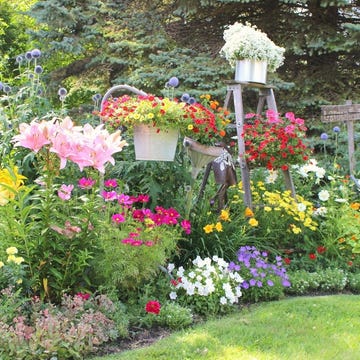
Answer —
(321, 249)
(312, 256)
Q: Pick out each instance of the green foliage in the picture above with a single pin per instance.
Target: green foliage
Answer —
(13, 36)
(330, 280)
(354, 283)
(56, 257)
(174, 316)
(165, 182)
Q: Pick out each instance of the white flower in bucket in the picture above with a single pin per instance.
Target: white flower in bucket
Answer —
(246, 42)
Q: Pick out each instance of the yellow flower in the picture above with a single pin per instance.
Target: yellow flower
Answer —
(12, 250)
(224, 215)
(18, 260)
(11, 258)
(248, 212)
(9, 179)
(253, 222)
(218, 227)
(295, 229)
(19, 281)
(190, 127)
(208, 228)
(1, 264)
(267, 208)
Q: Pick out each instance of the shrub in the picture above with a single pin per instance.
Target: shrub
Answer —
(174, 316)
(74, 329)
(354, 283)
(324, 280)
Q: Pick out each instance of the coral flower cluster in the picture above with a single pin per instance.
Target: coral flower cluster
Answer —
(275, 142)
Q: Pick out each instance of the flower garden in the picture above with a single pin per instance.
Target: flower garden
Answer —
(94, 244)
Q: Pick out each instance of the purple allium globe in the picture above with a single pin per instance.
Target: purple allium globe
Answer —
(324, 136)
(38, 69)
(185, 97)
(19, 59)
(97, 97)
(6, 88)
(28, 55)
(36, 53)
(173, 82)
(62, 92)
(191, 101)
(336, 129)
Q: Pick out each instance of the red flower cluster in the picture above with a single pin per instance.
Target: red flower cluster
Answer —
(153, 307)
(275, 142)
(209, 121)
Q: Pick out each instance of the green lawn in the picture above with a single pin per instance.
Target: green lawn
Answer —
(314, 328)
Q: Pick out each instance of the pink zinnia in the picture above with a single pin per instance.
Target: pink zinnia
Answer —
(86, 183)
(118, 218)
(124, 200)
(109, 195)
(136, 243)
(112, 183)
(186, 225)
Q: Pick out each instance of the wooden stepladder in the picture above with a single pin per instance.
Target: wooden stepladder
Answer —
(266, 95)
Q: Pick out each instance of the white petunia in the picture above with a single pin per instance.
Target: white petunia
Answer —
(223, 300)
(170, 267)
(324, 195)
(321, 211)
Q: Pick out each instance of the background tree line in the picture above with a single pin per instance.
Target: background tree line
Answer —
(90, 45)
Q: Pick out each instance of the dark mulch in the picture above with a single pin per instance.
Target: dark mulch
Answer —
(139, 339)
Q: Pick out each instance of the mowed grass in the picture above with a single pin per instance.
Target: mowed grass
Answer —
(316, 328)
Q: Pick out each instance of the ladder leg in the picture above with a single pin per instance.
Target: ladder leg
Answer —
(239, 117)
(289, 182)
(227, 99)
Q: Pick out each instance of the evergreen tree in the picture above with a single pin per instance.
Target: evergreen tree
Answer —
(143, 43)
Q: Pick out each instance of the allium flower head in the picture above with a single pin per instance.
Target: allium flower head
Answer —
(36, 53)
(38, 69)
(19, 59)
(28, 55)
(185, 97)
(62, 92)
(324, 136)
(173, 82)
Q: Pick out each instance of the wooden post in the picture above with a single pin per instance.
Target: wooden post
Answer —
(344, 113)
